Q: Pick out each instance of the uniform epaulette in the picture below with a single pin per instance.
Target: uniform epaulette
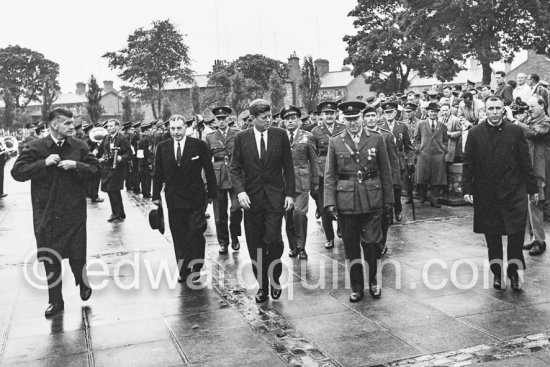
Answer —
(210, 133)
(338, 134)
(376, 131)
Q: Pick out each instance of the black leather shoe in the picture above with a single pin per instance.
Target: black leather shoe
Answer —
(122, 216)
(303, 254)
(235, 245)
(398, 217)
(514, 282)
(54, 309)
(276, 292)
(375, 290)
(98, 200)
(497, 284)
(356, 296)
(293, 252)
(85, 292)
(223, 249)
(261, 296)
(112, 218)
(3, 195)
(529, 246)
(329, 244)
(538, 248)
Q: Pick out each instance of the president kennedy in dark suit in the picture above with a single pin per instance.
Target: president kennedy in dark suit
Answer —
(178, 165)
(262, 174)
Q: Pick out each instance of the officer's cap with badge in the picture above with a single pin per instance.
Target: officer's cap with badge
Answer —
(290, 110)
(146, 126)
(327, 106)
(137, 124)
(410, 106)
(126, 125)
(221, 111)
(389, 106)
(351, 109)
(369, 108)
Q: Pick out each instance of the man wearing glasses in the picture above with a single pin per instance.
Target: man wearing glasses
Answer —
(321, 135)
(306, 172)
(220, 142)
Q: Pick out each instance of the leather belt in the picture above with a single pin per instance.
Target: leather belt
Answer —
(353, 176)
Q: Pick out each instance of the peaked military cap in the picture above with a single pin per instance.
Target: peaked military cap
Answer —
(351, 108)
(304, 118)
(146, 125)
(290, 110)
(390, 105)
(137, 124)
(221, 111)
(410, 106)
(327, 106)
(369, 108)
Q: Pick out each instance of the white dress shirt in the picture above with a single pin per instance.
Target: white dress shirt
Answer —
(258, 137)
(524, 92)
(57, 141)
(391, 125)
(294, 134)
(182, 145)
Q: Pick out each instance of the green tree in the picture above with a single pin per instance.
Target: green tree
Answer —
(490, 31)
(310, 84)
(237, 97)
(152, 58)
(385, 47)
(94, 107)
(49, 95)
(22, 71)
(277, 91)
(196, 98)
(126, 108)
(8, 112)
(166, 110)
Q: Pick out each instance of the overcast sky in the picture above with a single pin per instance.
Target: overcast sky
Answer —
(75, 34)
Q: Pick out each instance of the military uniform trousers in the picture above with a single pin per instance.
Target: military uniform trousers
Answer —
(296, 222)
(326, 219)
(144, 179)
(361, 232)
(221, 217)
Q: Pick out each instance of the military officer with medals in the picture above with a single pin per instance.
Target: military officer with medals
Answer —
(358, 186)
(321, 135)
(306, 172)
(404, 150)
(373, 123)
(220, 142)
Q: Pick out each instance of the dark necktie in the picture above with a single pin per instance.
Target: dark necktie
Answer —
(178, 154)
(433, 126)
(262, 147)
(291, 137)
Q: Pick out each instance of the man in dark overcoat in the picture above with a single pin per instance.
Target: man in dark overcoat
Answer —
(114, 153)
(497, 176)
(59, 167)
(262, 173)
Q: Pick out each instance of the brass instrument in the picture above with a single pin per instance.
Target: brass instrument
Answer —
(97, 134)
(8, 145)
(114, 153)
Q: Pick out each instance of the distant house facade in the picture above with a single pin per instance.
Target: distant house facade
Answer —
(111, 101)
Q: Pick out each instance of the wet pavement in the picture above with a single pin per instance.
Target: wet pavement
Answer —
(438, 307)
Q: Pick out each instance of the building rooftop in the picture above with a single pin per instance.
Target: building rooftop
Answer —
(334, 79)
(201, 80)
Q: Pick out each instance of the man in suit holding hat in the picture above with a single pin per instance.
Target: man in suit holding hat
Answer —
(306, 172)
(432, 140)
(179, 163)
(321, 136)
(358, 186)
(114, 153)
(263, 177)
(404, 150)
(220, 143)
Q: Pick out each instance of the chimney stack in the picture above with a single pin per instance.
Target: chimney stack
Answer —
(80, 88)
(107, 86)
(322, 66)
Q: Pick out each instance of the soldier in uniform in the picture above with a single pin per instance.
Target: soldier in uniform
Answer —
(220, 143)
(128, 132)
(306, 172)
(410, 120)
(134, 138)
(358, 186)
(145, 159)
(404, 150)
(372, 123)
(321, 135)
(92, 185)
